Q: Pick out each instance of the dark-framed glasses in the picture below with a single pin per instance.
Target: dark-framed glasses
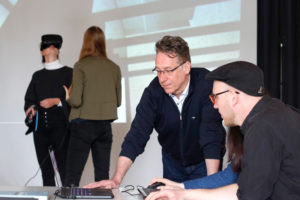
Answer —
(214, 96)
(167, 71)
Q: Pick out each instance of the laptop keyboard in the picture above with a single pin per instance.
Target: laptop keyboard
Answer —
(84, 193)
(80, 192)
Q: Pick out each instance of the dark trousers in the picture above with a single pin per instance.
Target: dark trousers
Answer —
(57, 138)
(175, 171)
(86, 135)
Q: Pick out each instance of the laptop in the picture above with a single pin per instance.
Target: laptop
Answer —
(76, 192)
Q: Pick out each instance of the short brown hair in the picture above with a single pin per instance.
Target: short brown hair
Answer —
(174, 46)
(93, 43)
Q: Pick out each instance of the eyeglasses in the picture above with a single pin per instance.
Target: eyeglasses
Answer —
(167, 71)
(214, 96)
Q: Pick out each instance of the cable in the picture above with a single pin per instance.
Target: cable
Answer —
(31, 178)
(56, 193)
(36, 121)
(130, 188)
(59, 147)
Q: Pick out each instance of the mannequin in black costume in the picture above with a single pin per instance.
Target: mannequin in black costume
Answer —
(45, 103)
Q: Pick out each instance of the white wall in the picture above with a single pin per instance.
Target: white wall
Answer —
(218, 31)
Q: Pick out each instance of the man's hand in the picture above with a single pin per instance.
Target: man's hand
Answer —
(177, 194)
(227, 192)
(108, 184)
(123, 165)
(168, 184)
(49, 102)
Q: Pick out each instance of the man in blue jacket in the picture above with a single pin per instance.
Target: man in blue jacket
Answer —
(177, 106)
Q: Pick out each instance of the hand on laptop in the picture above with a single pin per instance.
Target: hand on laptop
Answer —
(168, 184)
(107, 184)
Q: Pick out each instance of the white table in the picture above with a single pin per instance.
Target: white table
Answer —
(118, 195)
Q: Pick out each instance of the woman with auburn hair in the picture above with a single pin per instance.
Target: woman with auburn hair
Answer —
(94, 98)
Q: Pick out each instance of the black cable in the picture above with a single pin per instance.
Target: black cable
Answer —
(130, 188)
(56, 193)
(31, 178)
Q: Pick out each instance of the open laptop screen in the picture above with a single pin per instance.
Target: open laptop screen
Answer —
(75, 192)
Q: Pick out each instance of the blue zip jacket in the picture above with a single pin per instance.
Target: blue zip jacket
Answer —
(191, 136)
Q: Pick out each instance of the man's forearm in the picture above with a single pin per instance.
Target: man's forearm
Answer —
(212, 166)
(124, 163)
(225, 193)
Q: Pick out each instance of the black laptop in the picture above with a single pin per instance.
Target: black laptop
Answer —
(75, 192)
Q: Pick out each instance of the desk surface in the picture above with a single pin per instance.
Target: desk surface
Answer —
(118, 195)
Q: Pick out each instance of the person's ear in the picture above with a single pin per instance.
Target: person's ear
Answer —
(234, 98)
(187, 67)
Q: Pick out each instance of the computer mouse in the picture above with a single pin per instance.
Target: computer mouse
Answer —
(155, 185)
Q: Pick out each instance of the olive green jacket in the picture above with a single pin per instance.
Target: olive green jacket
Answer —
(96, 91)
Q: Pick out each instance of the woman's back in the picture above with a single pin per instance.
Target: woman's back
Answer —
(96, 91)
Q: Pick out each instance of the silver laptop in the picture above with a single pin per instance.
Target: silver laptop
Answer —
(75, 192)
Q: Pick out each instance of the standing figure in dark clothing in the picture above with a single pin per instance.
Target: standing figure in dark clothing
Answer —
(94, 98)
(177, 106)
(45, 103)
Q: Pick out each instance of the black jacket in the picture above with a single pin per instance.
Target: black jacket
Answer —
(49, 84)
(271, 158)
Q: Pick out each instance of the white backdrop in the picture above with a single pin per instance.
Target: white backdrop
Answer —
(218, 31)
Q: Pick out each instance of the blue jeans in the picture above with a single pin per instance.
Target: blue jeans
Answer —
(175, 171)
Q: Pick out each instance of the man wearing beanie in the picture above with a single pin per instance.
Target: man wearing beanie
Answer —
(271, 129)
